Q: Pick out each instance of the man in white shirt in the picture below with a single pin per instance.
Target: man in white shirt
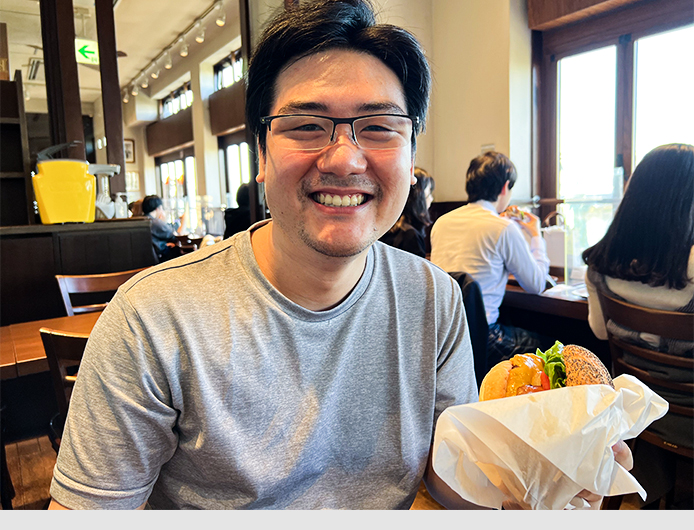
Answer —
(485, 240)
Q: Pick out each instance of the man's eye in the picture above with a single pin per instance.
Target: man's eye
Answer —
(309, 127)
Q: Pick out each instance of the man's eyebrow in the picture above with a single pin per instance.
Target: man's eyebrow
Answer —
(295, 106)
(373, 108)
(381, 106)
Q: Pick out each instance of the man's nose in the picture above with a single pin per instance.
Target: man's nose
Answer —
(343, 156)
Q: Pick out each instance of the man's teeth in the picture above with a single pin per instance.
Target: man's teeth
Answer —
(337, 200)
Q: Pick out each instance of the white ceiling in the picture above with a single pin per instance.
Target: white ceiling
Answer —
(144, 28)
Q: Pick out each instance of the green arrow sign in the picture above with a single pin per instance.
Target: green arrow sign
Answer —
(86, 51)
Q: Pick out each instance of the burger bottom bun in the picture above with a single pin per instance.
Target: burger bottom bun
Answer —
(494, 383)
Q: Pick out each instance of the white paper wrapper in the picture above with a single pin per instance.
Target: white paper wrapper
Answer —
(541, 449)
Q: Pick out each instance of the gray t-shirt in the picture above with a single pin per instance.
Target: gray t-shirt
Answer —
(202, 386)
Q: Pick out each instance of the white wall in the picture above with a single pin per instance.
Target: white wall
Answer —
(482, 91)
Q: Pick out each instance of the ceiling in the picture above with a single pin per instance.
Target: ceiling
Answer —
(144, 28)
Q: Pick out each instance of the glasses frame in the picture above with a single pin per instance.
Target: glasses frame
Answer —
(267, 120)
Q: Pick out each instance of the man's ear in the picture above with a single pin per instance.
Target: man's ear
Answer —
(413, 179)
(505, 190)
(261, 167)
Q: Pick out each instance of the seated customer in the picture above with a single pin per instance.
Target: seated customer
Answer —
(409, 232)
(163, 233)
(478, 240)
(238, 219)
(647, 259)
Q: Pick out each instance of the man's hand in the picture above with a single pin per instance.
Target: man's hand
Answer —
(623, 456)
(528, 222)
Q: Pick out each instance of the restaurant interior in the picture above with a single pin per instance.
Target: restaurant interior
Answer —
(147, 98)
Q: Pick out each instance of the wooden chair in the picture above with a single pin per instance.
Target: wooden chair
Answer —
(64, 352)
(667, 324)
(91, 283)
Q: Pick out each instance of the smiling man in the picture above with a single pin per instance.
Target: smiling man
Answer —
(302, 363)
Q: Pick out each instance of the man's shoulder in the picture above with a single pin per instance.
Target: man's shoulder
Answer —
(406, 267)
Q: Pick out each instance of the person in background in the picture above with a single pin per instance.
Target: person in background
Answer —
(135, 208)
(485, 242)
(647, 258)
(163, 233)
(409, 232)
(238, 219)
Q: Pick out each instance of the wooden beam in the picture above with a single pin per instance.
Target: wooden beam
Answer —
(62, 81)
(548, 14)
(258, 206)
(110, 91)
(4, 54)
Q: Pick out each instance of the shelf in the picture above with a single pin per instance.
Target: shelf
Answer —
(12, 175)
(11, 121)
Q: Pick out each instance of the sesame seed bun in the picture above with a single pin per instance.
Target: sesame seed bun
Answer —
(584, 368)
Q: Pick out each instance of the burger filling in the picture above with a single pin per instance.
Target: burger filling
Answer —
(554, 365)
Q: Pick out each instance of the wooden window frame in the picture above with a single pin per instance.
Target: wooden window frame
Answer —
(621, 27)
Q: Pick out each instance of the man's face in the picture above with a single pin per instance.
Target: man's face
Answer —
(339, 84)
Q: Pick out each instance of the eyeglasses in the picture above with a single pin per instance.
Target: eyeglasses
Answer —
(304, 132)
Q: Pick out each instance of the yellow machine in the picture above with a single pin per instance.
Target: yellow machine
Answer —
(65, 191)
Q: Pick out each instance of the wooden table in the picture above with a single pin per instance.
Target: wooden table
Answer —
(21, 349)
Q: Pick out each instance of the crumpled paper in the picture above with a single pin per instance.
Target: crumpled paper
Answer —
(540, 450)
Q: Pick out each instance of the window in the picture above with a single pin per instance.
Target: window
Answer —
(179, 99)
(228, 71)
(611, 89)
(235, 158)
(177, 185)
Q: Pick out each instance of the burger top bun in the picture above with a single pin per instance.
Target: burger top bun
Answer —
(584, 368)
(494, 383)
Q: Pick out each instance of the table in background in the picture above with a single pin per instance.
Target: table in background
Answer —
(22, 351)
(563, 316)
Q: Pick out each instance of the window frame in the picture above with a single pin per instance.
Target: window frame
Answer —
(621, 27)
(180, 91)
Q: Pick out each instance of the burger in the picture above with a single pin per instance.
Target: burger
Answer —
(559, 366)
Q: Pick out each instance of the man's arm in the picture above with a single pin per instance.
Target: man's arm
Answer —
(529, 264)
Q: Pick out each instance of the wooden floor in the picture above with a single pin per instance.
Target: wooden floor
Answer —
(30, 463)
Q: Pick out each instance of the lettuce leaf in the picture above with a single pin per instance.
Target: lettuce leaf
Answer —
(554, 365)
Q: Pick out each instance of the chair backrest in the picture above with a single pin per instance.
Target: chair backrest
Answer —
(64, 352)
(91, 283)
(666, 324)
(477, 321)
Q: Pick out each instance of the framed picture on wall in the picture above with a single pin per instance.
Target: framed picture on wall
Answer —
(129, 151)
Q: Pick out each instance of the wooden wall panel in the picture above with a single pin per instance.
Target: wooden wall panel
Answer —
(227, 109)
(547, 14)
(169, 134)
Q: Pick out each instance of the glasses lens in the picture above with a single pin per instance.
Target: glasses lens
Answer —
(383, 132)
(301, 132)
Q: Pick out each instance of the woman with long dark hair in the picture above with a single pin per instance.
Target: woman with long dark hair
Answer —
(647, 259)
(409, 232)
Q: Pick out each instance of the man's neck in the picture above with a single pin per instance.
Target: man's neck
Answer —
(309, 279)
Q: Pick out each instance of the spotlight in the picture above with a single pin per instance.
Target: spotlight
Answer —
(126, 97)
(221, 15)
(167, 61)
(199, 33)
(144, 82)
(184, 50)
(134, 90)
(154, 73)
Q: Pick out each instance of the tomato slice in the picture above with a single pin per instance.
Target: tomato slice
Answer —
(545, 381)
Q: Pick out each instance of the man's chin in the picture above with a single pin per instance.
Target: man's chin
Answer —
(342, 249)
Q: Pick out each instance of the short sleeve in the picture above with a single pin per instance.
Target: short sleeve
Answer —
(120, 425)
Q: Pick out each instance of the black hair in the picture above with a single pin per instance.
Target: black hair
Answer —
(320, 25)
(243, 195)
(151, 203)
(487, 175)
(416, 212)
(652, 233)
